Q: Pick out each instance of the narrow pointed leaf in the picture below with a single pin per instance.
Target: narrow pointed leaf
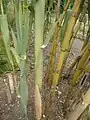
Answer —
(16, 56)
(6, 38)
(16, 42)
(49, 36)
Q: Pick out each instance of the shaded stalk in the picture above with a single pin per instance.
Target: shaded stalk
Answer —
(88, 33)
(52, 58)
(53, 49)
(51, 64)
(66, 43)
(81, 68)
(87, 69)
(76, 61)
(80, 108)
(86, 41)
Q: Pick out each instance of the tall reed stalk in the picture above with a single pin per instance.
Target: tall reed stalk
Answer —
(39, 29)
(66, 42)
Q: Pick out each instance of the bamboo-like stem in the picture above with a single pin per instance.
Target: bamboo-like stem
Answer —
(66, 42)
(86, 41)
(88, 33)
(85, 48)
(80, 68)
(73, 65)
(51, 64)
(52, 58)
(74, 35)
(87, 69)
(64, 12)
(80, 108)
(83, 32)
(89, 10)
(72, 39)
(79, 71)
(76, 61)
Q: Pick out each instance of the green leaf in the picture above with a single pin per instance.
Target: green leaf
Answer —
(17, 12)
(6, 38)
(16, 42)
(49, 36)
(16, 56)
(25, 33)
(20, 52)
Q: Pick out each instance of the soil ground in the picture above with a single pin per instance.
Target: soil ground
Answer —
(11, 111)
